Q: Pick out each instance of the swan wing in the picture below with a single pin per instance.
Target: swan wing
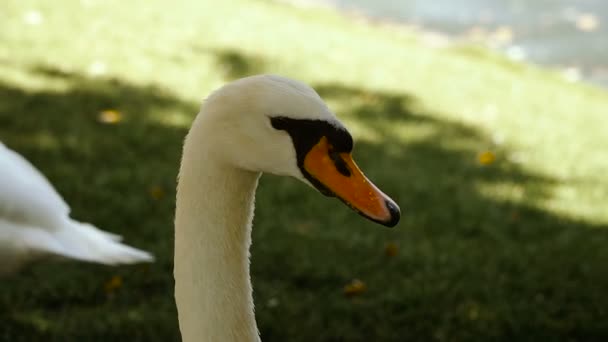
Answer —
(34, 221)
(26, 195)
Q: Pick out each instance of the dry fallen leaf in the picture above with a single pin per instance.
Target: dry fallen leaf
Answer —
(355, 288)
(486, 158)
(514, 216)
(113, 284)
(156, 192)
(109, 116)
(391, 249)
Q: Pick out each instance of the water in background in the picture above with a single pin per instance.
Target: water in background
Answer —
(568, 34)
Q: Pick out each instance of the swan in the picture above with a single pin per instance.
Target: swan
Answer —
(35, 223)
(262, 123)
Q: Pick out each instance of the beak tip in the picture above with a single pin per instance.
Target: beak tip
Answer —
(395, 212)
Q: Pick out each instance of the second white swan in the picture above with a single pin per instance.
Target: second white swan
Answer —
(35, 223)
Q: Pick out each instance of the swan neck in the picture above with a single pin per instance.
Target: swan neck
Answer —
(214, 211)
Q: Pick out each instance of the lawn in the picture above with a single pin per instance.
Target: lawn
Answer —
(509, 247)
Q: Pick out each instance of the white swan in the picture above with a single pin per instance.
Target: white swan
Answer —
(35, 223)
(256, 124)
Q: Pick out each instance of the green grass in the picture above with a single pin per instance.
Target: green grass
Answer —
(513, 251)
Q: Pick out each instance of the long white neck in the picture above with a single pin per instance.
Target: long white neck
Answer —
(214, 211)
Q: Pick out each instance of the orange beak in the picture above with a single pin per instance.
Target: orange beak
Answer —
(339, 173)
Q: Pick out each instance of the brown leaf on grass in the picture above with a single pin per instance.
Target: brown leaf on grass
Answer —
(113, 284)
(109, 116)
(355, 288)
(391, 249)
(486, 158)
(156, 192)
(514, 215)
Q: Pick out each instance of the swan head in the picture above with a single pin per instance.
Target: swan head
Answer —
(268, 123)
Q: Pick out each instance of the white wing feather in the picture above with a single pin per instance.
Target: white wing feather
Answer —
(34, 222)
(26, 196)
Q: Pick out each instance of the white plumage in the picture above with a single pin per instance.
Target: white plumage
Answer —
(231, 142)
(35, 223)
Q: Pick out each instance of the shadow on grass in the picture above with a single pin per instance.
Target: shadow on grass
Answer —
(120, 177)
(237, 65)
(233, 63)
(470, 266)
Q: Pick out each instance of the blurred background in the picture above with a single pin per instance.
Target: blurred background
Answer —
(485, 121)
(565, 34)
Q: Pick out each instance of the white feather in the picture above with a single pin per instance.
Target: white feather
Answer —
(35, 223)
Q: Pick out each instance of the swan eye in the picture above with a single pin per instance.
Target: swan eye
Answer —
(278, 122)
